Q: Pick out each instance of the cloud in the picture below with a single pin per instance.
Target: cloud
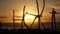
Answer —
(3, 17)
(53, 1)
(56, 5)
(18, 16)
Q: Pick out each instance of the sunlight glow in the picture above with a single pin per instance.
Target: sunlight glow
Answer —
(29, 19)
(29, 16)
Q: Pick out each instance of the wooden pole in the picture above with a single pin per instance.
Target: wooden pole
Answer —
(13, 19)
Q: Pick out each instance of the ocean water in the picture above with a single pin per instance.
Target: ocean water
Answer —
(18, 25)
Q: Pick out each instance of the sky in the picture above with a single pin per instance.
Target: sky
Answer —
(7, 6)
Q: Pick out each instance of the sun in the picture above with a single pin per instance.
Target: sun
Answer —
(29, 19)
(27, 16)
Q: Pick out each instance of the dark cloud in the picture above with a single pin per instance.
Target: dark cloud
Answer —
(56, 5)
(3, 17)
(53, 1)
(18, 16)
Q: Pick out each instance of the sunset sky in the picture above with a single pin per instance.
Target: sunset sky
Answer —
(7, 6)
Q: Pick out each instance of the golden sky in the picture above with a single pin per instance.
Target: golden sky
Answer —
(7, 6)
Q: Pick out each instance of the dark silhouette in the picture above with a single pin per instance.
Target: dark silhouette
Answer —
(39, 15)
(53, 18)
(0, 24)
(23, 21)
(39, 21)
(23, 18)
(13, 19)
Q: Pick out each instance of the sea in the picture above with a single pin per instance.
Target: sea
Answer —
(10, 26)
